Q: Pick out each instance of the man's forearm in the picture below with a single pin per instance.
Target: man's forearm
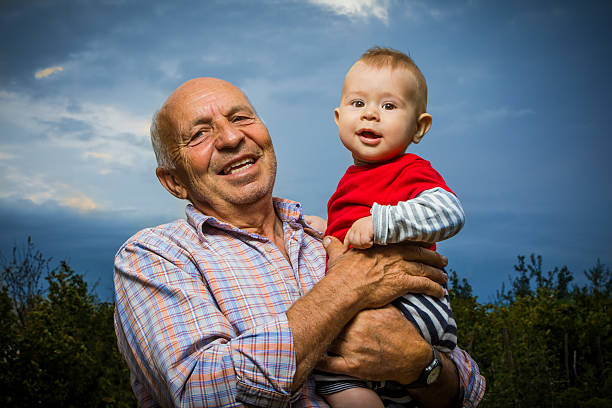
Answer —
(316, 319)
(355, 281)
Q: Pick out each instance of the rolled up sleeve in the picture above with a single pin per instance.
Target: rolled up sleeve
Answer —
(472, 383)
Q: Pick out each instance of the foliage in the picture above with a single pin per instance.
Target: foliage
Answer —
(541, 343)
(58, 350)
(21, 278)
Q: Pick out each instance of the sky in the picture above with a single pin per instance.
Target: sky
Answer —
(518, 91)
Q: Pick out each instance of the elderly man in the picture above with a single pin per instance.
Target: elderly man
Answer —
(232, 306)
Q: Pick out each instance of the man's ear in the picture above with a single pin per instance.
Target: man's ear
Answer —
(168, 178)
(423, 126)
(336, 115)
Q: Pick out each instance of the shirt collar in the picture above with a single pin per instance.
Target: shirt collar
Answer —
(287, 210)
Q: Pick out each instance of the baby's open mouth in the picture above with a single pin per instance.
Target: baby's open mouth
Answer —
(368, 133)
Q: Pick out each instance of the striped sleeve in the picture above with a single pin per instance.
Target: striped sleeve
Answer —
(472, 383)
(432, 216)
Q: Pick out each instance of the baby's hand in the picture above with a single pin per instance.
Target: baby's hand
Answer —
(361, 234)
(318, 223)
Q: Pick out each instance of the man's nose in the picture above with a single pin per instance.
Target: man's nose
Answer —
(370, 113)
(229, 137)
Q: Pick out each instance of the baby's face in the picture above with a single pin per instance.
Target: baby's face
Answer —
(377, 116)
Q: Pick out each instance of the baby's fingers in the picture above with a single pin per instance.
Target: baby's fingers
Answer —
(347, 241)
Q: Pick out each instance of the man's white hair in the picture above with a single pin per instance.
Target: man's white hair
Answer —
(159, 147)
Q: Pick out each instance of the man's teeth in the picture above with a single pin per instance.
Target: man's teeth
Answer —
(241, 165)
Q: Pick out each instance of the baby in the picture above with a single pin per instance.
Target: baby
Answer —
(389, 196)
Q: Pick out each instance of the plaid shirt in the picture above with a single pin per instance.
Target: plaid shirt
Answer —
(201, 313)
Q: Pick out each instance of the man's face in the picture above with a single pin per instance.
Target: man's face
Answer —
(224, 155)
(377, 116)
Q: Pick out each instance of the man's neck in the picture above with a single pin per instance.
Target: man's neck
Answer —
(258, 218)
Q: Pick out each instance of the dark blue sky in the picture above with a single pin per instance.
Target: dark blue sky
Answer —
(518, 93)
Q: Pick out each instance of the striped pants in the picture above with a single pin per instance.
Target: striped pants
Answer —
(433, 319)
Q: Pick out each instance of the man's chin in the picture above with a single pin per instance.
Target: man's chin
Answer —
(248, 194)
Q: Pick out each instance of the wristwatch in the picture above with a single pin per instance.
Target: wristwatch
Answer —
(430, 373)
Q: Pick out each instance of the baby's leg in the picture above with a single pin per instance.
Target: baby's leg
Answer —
(354, 398)
(432, 317)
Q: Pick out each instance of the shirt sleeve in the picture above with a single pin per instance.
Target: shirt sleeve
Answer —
(181, 350)
(432, 216)
(472, 383)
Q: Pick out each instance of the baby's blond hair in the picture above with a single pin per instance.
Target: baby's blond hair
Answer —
(380, 57)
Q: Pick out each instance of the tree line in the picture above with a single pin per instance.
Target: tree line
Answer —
(542, 342)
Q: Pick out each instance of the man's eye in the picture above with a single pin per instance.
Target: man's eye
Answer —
(389, 106)
(200, 135)
(358, 104)
(239, 118)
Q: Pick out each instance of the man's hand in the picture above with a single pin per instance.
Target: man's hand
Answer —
(379, 344)
(361, 234)
(357, 280)
(318, 223)
(383, 273)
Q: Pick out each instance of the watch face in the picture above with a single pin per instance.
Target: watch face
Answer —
(433, 375)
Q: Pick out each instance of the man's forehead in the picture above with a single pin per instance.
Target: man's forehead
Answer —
(205, 95)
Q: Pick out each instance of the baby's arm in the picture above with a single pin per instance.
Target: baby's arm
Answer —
(432, 216)
(361, 234)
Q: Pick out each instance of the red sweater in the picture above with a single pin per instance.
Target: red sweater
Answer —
(388, 183)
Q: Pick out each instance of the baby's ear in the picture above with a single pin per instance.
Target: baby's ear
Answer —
(423, 126)
(336, 115)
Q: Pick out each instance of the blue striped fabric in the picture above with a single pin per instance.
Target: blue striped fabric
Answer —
(432, 216)
(432, 317)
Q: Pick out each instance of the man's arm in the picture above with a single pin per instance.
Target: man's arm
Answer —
(179, 345)
(381, 344)
(355, 281)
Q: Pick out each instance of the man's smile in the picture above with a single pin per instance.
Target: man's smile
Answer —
(239, 166)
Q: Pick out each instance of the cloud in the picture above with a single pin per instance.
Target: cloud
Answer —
(81, 203)
(503, 113)
(101, 156)
(100, 131)
(170, 68)
(43, 73)
(6, 156)
(357, 8)
(39, 189)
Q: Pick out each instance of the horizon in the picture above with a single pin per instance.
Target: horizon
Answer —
(518, 93)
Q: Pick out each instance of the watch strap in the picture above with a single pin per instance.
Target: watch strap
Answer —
(424, 379)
